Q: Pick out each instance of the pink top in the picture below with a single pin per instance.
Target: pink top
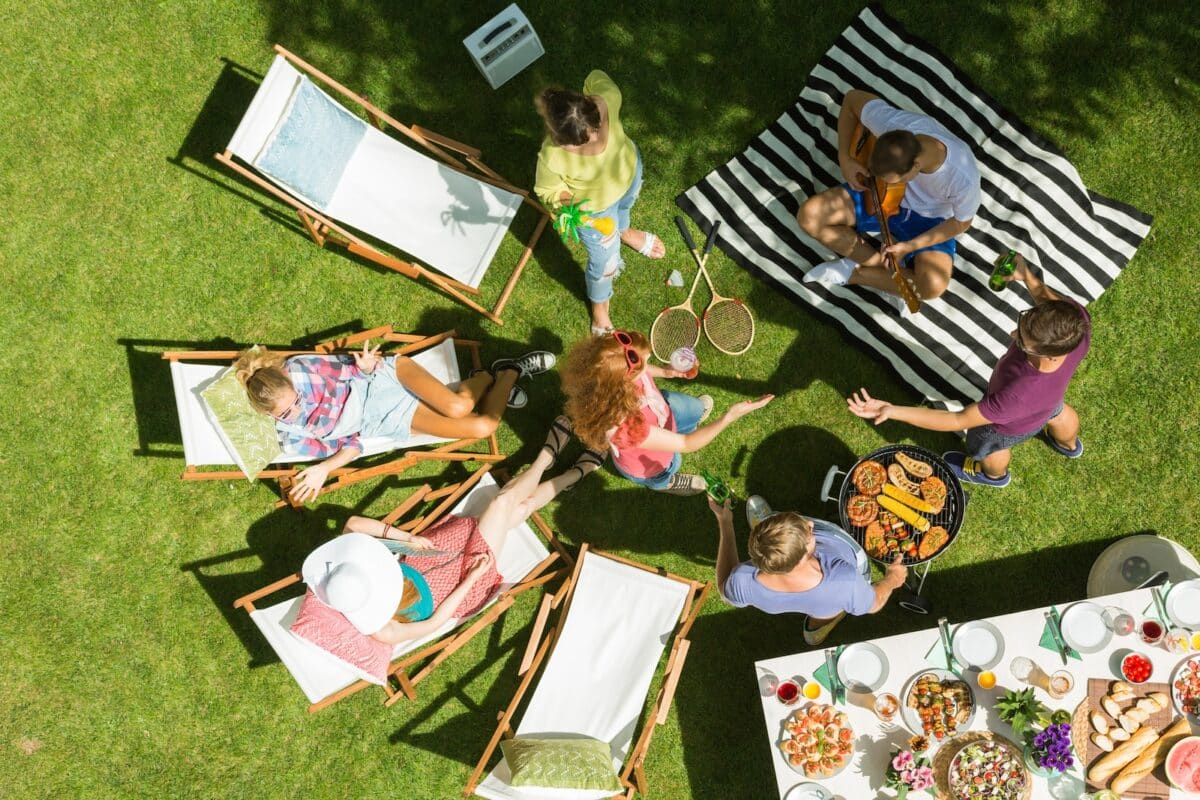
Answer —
(625, 439)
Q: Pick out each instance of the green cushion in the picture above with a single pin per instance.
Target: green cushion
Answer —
(249, 435)
(582, 763)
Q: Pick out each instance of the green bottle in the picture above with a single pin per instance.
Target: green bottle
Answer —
(718, 490)
(1002, 267)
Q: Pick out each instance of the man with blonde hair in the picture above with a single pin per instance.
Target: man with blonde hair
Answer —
(799, 565)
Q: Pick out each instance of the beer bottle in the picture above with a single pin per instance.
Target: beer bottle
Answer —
(1002, 267)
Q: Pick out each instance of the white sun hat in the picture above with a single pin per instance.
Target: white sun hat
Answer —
(357, 575)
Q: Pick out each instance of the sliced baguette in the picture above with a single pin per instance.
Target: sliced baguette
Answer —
(1149, 759)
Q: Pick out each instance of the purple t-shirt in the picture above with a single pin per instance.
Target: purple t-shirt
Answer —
(842, 589)
(1019, 399)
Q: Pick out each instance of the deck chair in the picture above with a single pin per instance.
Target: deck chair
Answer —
(600, 659)
(525, 562)
(205, 444)
(341, 175)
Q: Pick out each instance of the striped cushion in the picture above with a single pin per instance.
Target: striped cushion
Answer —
(1034, 202)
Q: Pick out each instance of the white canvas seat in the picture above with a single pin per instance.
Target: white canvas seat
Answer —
(345, 177)
(323, 677)
(620, 618)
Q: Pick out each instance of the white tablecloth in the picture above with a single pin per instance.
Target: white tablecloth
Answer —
(874, 741)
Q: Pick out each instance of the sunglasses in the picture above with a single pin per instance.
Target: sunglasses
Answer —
(290, 412)
(633, 358)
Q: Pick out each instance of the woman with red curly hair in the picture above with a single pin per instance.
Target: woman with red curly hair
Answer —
(616, 406)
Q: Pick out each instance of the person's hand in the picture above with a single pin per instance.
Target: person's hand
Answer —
(369, 358)
(1021, 270)
(739, 410)
(308, 483)
(863, 405)
(420, 543)
(851, 169)
(896, 573)
(722, 511)
(479, 564)
(897, 250)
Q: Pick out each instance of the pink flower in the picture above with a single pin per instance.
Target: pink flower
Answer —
(902, 761)
(922, 778)
(907, 776)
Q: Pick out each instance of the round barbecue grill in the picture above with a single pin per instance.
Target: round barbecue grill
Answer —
(950, 517)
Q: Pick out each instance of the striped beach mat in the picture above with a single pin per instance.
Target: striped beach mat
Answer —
(1033, 202)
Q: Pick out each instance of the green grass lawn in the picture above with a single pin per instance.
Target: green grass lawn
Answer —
(126, 671)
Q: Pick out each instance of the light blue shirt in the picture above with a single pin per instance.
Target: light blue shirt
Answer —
(842, 589)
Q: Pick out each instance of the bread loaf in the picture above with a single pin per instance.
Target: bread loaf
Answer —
(1151, 757)
(1110, 764)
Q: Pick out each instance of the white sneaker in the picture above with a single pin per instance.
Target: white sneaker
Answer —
(831, 273)
(757, 509)
(895, 300)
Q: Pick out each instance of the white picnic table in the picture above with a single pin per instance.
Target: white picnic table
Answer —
(875, 741)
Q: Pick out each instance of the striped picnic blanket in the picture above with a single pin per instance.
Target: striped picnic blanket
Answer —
(1033, 202)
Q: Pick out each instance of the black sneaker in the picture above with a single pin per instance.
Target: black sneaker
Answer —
(534, 363)
(517, 398)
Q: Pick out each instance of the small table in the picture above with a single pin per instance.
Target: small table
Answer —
(875, 741)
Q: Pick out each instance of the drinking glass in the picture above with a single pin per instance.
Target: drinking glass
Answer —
(767, 683)
(986, 679)
(787, 692)
(886, 706)
(1061, 682)
(1119, 620)
(812, 690)
(1152, 631)
(1023, 669)
(1177, 640)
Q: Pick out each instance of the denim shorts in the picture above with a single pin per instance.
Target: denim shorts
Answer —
(687, 411)
(985, 440)
(604, 261)
(905, 226)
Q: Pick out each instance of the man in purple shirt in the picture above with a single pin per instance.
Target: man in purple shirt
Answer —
(799, 565)
(1025, 395)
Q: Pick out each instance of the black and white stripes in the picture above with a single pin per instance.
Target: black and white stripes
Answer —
(1033, 202)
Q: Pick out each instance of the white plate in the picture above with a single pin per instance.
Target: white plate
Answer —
(912, 720)
(1183, 603)
(862, 666)
(978, 644)
(1083, 627)
(808, 791)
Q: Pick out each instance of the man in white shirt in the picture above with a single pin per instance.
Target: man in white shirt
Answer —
(939, 203)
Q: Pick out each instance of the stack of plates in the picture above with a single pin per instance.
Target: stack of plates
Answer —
(978, 644)
(1183, 604)
(1084, 628)
(862, 667)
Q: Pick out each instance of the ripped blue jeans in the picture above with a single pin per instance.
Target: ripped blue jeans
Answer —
(604, 261)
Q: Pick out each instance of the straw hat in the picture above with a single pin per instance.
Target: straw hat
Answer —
(357, 575)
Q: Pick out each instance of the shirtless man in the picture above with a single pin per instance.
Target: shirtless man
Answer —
(939, 203)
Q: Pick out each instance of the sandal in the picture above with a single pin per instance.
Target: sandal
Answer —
(554, 441)
(602, 330)
(587, 458)
(648, 244)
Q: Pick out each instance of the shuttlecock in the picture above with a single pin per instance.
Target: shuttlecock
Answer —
(675, 278)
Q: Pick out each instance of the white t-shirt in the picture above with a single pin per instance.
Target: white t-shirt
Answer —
(952, 190)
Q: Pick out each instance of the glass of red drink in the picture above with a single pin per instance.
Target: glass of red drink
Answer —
(787, 692)
(1152, 631)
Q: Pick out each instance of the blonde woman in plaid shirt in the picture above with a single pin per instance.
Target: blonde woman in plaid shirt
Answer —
(323, 405)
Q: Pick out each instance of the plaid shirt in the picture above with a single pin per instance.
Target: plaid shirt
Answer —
(323, 384)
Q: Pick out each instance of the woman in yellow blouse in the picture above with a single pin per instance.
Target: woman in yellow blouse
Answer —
(586, 155)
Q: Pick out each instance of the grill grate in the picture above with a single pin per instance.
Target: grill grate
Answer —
(950, 517)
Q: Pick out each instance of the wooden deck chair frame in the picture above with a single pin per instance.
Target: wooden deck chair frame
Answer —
(632, 775)
(469, 161)
(285, 474)
(411, 668)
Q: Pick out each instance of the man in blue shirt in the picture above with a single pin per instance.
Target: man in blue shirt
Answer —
(799, 565)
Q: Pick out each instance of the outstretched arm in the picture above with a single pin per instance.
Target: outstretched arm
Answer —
(382, 530)
(1024, 273)
(861, 404)
(727, 554)
(665, 441)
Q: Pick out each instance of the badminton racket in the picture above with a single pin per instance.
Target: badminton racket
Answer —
(676, 327)
(728, 323)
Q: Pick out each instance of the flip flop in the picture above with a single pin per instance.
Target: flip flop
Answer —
(648, 245)
(1075, 452)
